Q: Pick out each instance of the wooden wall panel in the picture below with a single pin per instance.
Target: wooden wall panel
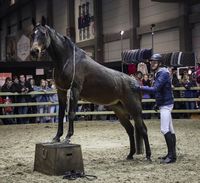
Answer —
(112, 50)
(164, 41)
(154, 12)
(115, 16)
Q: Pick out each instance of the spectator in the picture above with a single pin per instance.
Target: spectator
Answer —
(188, 83)
(176, 83)
(32, 109)
(16, 88)
(146, 95)
(7, 100)
(43, 98)
(24, 88)
(54, 99)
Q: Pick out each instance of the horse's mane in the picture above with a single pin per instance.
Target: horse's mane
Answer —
(65, 39)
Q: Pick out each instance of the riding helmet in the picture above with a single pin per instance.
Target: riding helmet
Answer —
(156, 57)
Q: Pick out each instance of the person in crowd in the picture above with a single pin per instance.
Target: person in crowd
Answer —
(54, 99)
(16, 88)
(175, 83)
(43, 98)
(32, 109)
(188, 82)
(162, 88)
(7, 100)
(139, 76)
(24, 88)
(146, 95)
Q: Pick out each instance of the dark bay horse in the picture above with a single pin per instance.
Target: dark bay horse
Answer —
(92, 82)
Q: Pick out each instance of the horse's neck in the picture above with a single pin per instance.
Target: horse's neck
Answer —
(59, 49)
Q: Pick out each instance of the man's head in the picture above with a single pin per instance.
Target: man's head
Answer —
(156, 61)
(22, 78)
(8, 81)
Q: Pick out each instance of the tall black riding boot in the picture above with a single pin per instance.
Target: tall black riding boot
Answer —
(174, 145)
(169, 142)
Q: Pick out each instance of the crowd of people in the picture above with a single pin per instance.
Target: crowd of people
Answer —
(145, 78)
(22, 86)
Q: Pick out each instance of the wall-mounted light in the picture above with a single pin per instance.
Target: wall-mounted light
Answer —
(121, 35)
(121, 32)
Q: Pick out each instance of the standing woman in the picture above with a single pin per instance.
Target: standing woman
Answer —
(162, 88)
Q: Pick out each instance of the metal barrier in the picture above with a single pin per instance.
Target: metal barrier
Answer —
(85, 102)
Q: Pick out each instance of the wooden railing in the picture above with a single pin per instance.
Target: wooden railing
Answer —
(85, 102)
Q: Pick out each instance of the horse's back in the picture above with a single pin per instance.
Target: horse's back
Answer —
(103, 85)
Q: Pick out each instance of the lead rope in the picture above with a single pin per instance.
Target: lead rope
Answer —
(73, 75)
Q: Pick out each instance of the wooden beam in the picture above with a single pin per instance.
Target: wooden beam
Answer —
(71, 20)
(115, 36)
(87, 43)
(49, 6)
(173, 23)
(33, 9)
(98, 30)
(185, 33)
(134, 23)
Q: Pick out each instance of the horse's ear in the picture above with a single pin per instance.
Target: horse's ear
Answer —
(43, 21)
(33, 22)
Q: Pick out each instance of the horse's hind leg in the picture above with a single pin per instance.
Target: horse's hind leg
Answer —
(124, 120)
(136, 112)
(141, 127)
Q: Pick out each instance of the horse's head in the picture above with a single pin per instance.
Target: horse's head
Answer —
(40, 37)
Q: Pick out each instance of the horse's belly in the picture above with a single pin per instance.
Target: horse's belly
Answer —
(103, 98)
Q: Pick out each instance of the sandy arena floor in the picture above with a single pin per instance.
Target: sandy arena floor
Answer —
(104, 147)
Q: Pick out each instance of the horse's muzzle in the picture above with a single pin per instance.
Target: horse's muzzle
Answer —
(35, 52)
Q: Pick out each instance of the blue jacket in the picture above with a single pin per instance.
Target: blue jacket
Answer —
(162, 88)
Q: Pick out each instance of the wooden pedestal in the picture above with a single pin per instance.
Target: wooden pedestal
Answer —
(57, 158)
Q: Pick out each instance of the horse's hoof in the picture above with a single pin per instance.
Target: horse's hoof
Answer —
(149, 159)
(66, 141)
(129, 157)
(55, 140)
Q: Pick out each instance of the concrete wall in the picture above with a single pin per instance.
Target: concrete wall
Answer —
(154, 12)
(164, 41)
(60, 16)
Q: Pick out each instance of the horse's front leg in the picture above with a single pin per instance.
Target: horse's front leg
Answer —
(62, 99)
(72, 112)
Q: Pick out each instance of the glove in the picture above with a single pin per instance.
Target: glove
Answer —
(155, 108)
(134, 86)
(187, 87)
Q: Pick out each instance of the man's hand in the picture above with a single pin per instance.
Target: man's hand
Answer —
(134, 86)
(155, 108)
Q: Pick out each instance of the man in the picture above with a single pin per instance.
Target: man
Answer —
(24, 88)
(162, 88)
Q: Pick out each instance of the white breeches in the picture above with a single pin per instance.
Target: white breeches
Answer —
(166, 119)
